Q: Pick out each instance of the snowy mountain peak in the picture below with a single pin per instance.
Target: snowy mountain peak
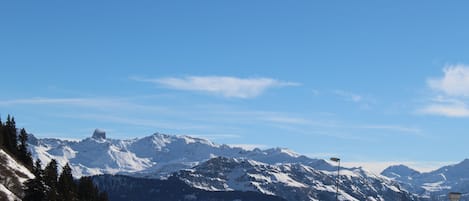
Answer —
(99, 134)
(163, 139)
(399, 171)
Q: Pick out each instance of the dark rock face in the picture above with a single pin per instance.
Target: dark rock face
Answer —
(99, 134)
(124, 188)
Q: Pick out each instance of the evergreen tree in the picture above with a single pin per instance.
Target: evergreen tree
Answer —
(10, 137)
(35, 189)
(1, 134)
(4, 136)
(66, 186)
(37, 169)
(50, 179)
(103, 197)
(24, 155)
(87, 191)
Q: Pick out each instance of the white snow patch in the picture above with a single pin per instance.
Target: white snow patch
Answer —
(393, 188)
(346, 197)
(443, 176)
(13, 165)
(436, 186)
(284, 178)
(9, 195)
(289, 152)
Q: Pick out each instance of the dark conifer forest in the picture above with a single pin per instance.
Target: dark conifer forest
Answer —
(48, 184)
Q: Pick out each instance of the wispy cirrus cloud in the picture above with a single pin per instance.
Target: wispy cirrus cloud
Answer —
(323, 155)
(145, 122)
(449, 107)
(307, 125)
(452, 93)
(446, 110)
(217, 136)
(275, 118)
(399, 128)
(349, 96)
(230, 87)
(364, 101)
(42, 100)
(100, 103)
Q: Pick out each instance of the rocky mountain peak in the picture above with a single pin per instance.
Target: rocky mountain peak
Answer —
(99, 134)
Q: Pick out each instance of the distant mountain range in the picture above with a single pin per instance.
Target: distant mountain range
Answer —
(204, 165)
(154, 156)
(292, 181)
(434, 185)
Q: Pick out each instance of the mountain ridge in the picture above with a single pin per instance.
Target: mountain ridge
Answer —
(433, 185)
(156, 155)
(292, 181)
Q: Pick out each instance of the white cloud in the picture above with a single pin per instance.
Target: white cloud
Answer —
(452, 93)
(316, 92)
(322, 155)
(99, 103)
(455, 81)
(349, 96)
(392, 128)
(41, 100)
(217, 136)
(150, 123)
(231, 87)
(85, 102)
(249, 146)
(286, 120)
(449, 110)
(364, 102)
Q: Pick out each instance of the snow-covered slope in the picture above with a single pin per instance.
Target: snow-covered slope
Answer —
(292, 181)
(12, 176)
(152, 156)
(434, 185)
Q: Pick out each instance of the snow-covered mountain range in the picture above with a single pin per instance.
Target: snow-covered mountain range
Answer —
(205, 165)
(153, 156)
(292, 181)
(434, 185)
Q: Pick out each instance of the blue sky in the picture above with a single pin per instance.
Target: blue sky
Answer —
(373, 82)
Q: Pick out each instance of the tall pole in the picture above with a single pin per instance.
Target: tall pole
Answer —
(338, 177)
